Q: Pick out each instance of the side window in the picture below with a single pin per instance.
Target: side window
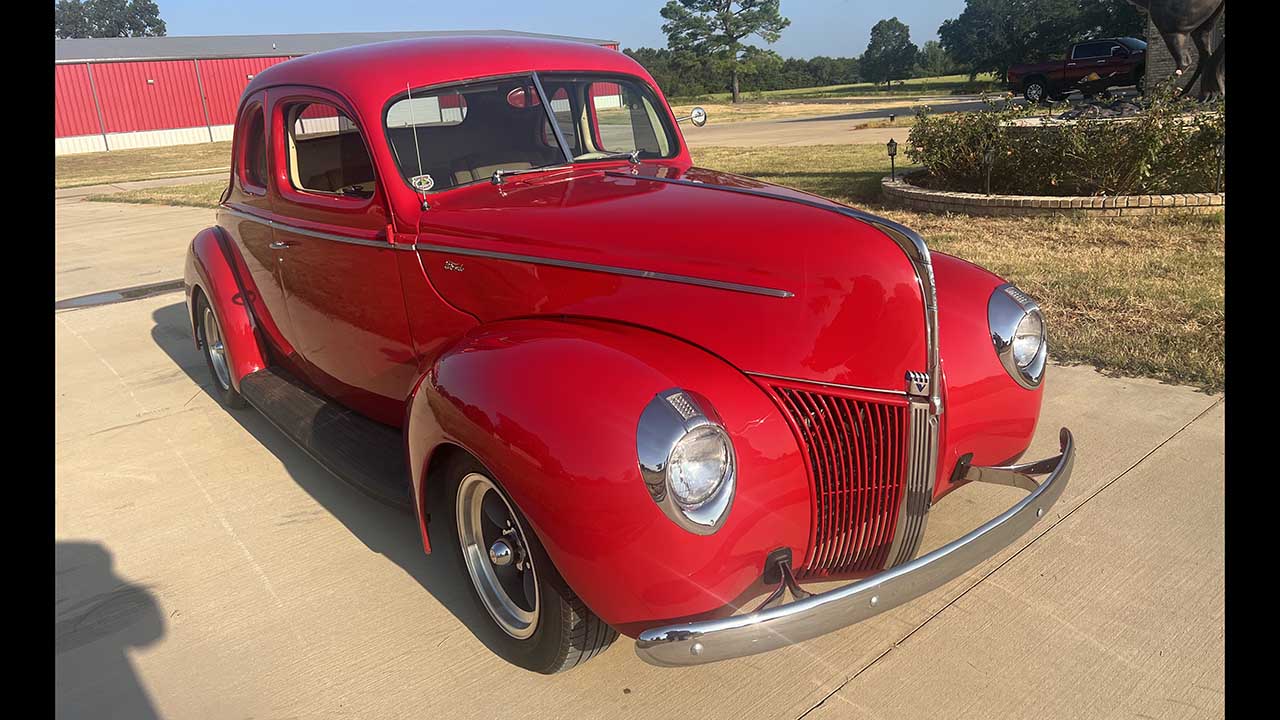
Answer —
(326, 151)
(1087, 51)
(625, 120)
(449, 137)
(253, 157)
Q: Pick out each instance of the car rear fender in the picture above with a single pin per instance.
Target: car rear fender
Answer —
(209, 270)
(551, 406)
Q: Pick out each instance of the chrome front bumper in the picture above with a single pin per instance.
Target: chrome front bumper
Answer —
(778, 626)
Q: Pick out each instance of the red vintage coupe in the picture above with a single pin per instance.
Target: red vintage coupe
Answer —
(481, 277)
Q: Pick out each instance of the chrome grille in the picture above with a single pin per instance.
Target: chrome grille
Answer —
(856, 454)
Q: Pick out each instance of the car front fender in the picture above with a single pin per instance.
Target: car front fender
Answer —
(209, 271)
(988, 414)
(551, 406)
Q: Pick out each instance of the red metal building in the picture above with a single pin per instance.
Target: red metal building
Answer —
(116, 93)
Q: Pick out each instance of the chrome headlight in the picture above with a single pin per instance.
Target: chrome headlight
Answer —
(1017, 331)
(687, 460)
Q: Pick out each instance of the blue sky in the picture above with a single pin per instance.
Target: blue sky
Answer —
(818, 27)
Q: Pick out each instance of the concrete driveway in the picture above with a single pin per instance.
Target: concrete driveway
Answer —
(208, 568)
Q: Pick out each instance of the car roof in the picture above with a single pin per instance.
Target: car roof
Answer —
(369, 75)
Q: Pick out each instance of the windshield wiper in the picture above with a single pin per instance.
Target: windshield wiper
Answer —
(499, 174)
(633, 157)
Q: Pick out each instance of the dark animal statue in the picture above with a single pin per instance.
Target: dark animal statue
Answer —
(1181, 20)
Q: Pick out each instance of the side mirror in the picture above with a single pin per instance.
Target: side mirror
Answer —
(697, 116)
(1119, 52)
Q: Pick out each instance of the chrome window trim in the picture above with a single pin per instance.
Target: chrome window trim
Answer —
(611, 269)
(553, 120)
(277, 225)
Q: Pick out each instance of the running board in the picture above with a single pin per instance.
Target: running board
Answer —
(366, 454)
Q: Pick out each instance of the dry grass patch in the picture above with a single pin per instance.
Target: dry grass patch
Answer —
(205, 194)
(141, 164)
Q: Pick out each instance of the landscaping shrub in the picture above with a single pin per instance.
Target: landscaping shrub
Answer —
(1170, 147)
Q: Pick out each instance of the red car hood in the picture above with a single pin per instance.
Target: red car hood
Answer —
(773, 287)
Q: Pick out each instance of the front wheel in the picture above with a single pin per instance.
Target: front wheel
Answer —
(543, 626)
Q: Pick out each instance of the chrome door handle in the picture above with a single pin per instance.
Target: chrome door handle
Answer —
(279, 245)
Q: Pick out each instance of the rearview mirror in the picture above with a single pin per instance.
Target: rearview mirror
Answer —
(697, 116)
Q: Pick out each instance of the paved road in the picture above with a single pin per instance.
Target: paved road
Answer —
(207, 568)
(106, 246)
(837, 129)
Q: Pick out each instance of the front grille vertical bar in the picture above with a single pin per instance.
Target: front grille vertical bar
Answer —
(917, 491)
(857, 461)
(866, 496)
(883, 497)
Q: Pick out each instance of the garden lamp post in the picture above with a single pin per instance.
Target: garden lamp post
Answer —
(892, 146)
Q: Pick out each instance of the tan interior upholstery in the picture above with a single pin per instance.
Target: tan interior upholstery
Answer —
(486, 171)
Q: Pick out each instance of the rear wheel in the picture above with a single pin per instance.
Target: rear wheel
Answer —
(543, 626)
(209, 335)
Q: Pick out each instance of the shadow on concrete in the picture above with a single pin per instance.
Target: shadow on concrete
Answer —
(97, 616)
(387, 531)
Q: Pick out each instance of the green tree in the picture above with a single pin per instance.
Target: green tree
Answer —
(715, 29)
(890, 55)
(107, 18)
(1114, 18)
(991, 35)
(934, 61)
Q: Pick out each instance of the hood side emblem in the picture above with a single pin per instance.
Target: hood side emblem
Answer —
(453, 266)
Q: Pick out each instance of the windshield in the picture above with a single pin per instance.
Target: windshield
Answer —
(442, 138)
(1133, 43)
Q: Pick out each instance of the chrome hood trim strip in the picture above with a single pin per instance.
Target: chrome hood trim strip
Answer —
(286, 227)
(611, 269)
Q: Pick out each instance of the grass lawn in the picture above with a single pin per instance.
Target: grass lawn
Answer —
(1132, 296)
(943, 85)
(205, 194)
(140, 164)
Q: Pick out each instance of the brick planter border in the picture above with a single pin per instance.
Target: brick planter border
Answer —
(903, 194)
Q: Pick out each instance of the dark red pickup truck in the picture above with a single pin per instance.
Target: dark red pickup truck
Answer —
(1090, 67)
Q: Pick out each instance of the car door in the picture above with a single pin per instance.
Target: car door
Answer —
(1087, 64)
(246, 217)
(338, 265)
(1115, 68)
